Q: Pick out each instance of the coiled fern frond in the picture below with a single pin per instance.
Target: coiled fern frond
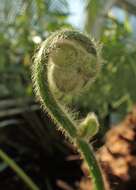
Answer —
(67, 62)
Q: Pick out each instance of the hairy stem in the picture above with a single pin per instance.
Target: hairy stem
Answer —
(52, 106)
(69, 54)
(94, 168)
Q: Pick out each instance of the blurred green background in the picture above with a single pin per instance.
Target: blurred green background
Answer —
(24, 24)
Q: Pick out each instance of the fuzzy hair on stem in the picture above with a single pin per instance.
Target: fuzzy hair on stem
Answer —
(66, 63)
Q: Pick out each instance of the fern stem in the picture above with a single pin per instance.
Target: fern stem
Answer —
(52, 106)
(94, 169)
(63, 49)
(25, 178)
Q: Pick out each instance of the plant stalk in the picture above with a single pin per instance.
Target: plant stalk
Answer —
(25, 178)
(94, 169)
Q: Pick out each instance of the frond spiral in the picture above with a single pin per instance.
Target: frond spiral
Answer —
(67, 62)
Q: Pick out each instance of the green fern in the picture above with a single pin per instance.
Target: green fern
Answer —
(67, 62)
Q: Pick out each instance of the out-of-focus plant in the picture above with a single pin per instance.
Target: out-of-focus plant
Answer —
(19, 171)
(95, 16)
(114, 90)
(23, 24)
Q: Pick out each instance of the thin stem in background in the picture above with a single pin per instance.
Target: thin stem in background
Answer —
(25, 178)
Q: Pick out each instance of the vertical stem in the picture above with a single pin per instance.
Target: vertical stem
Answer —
(25, 178)
(43, 83)
(94, 169)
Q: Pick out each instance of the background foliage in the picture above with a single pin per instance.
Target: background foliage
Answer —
(23, 25)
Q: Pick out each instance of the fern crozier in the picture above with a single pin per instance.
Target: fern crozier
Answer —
(67, 62)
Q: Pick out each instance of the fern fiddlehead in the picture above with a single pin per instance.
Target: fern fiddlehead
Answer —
(66, 63)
